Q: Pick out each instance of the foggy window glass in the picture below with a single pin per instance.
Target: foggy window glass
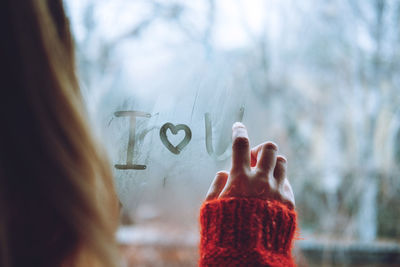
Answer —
(165, 80)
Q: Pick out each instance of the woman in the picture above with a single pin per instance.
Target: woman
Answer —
(57, 201)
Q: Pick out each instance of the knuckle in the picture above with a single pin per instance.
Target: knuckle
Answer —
(211, 196)
(272, 183)
(264, 183)
(286, 189)
(239, 174)
(262, 172)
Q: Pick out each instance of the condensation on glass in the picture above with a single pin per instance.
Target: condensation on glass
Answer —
(165, 80)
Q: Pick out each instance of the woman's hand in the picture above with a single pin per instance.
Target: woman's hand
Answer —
(256, 173)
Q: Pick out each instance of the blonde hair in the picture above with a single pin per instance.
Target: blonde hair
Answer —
(58, 205)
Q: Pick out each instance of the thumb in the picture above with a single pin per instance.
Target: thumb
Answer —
(217, 185)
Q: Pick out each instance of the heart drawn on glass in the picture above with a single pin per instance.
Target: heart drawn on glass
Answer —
(174, 130)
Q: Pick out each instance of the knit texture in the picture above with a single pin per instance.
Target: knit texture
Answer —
(246, 232)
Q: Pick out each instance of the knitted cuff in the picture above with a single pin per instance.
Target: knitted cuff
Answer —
(247, 224)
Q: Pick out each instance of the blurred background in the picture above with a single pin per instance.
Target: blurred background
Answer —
(320, 78)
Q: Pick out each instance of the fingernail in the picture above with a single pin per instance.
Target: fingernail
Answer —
(271, 146)
(239, 130)
(238, 125)
(282, 159)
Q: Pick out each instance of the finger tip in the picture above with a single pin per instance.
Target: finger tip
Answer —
(239, 131)
(272, 146)
(281, 159)
(223, 174)
(238, 124)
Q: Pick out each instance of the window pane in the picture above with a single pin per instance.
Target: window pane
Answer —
(165, 80)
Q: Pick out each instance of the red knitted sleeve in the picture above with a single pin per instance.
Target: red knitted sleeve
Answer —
(246, 232)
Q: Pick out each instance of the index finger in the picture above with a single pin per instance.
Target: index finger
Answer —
(240, 147)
